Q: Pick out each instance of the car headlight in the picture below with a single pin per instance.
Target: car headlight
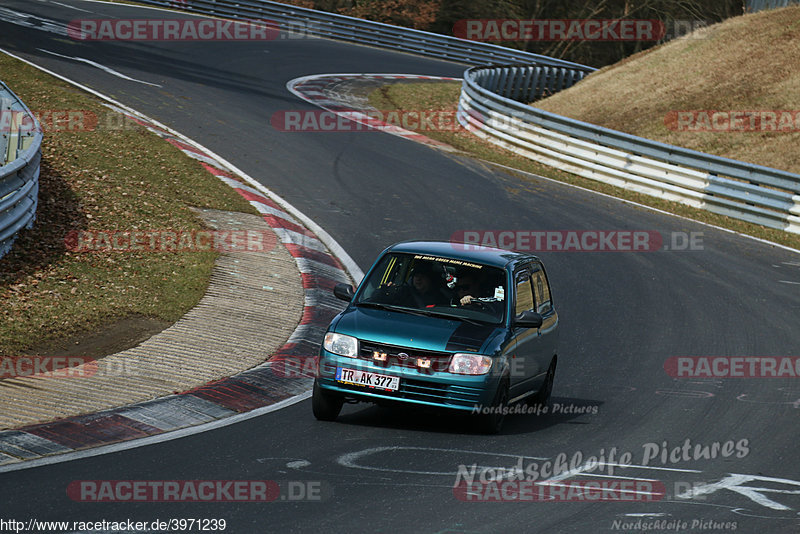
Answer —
(470, 364)
(341, 344)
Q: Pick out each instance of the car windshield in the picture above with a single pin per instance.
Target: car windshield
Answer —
(436, 286)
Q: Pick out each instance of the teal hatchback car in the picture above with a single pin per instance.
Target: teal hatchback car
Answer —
(444, 325)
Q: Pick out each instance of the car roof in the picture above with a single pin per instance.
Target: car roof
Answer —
(495, 257)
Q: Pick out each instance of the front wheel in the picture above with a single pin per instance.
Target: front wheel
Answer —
(543, 395)
(492, 422)
(325, 405)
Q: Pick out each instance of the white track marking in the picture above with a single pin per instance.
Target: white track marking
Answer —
(22, 19)
(99, 66)
(734, 482)
(350, 459)
(152, 440)
(582, 469)
(68, 6)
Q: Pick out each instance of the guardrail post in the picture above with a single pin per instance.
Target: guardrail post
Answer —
(562, 72)
(794, 216)
(544, 80)
(533, 86)
(501, 80)
(5, 128)
(511, 88)
(551, 82)
(525, 84)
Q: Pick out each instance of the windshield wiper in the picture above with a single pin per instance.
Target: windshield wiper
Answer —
(380, 306)
(476, 322)
(422, 313)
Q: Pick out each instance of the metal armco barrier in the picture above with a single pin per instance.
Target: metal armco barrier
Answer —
(20, 154)
(490, 107)
(493, 104)
(752, 6)
(301, 21)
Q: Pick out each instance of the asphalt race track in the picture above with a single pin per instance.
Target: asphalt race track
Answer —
(381, 470)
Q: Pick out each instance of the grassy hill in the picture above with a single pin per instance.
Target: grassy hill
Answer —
(747, 63)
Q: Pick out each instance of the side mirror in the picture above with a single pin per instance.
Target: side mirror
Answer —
(343, 291)
(528, 319)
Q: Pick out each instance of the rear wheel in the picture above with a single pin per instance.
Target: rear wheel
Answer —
(492, 422)
(543, 395)
(325, 405)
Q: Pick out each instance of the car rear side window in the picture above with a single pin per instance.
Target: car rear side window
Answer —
(524, 300)
(541, 290)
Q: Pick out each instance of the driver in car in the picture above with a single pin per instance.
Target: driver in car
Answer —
(468, 288)
(474, 290)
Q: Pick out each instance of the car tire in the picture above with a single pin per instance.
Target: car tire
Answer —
(492, 422)
(543, 395)
(325, 405)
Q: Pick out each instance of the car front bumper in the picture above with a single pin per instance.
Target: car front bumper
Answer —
(439, 389)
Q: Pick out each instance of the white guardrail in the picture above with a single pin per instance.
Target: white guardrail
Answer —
(20, 154)
(302, 22)
(489, 106)
(493, 104)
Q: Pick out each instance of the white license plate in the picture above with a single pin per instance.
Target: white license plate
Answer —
(367, 379)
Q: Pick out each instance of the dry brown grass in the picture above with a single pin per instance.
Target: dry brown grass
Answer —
(745, 63)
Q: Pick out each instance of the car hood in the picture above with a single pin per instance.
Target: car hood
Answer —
(414, 331)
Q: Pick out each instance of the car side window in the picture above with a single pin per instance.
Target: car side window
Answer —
(541, 290)
(391, 271)
(524, 293)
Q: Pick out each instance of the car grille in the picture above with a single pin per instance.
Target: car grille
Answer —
(438, 361)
